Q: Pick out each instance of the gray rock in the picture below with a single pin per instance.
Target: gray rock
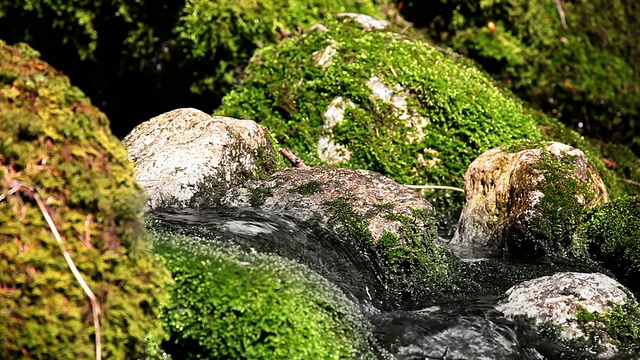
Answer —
(527, 201)
(306, 193)
(187, 158)
(556, 298)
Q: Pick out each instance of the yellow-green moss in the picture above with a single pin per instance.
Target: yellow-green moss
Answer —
(613, 234)
(228, 304)
(51, 137)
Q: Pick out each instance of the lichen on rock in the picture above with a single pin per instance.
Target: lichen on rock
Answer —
(187, 158)
(54, 140)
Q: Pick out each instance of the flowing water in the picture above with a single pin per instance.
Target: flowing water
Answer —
(456, 327)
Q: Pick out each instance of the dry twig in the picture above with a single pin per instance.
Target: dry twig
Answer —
(293, 158)
(442, 187)
(632, 182)
(561, 13)
(34, 192)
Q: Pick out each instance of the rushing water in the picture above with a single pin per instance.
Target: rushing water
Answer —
(467, 328)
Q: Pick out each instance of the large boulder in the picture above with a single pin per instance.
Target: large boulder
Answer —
(387, 220)
(353, 94)
(579, 305)
(188, 158)
(527, 200)
(56, 146)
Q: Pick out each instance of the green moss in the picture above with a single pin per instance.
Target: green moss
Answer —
(581, 73)
(621, 322)
(309, 188)
(551, 230)
(52, 138)
(463, 113)
(524, 144)
(233, 305)
(415, 270)
(613, 235)
(227, 33)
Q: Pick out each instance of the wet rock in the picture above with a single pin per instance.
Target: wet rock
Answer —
(388, 224)
(310, 194)
(527, 199)
(187, 158)
(557, 298)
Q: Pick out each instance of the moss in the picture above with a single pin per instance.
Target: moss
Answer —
(234, 305)
(463, 113)
(621, 322)
(551, 230)
(520, 145)
(309, 188)
(227, 33)
(259, 195)
(414, 269)
(52, 138)
(613, 235)
(583, 73)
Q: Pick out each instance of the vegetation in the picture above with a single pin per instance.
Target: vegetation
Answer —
(415, 271)
(54, 143)
(456, 112)
(576, 60)
(620, 322)
(181, 53)
(234, 305)
(613, 234)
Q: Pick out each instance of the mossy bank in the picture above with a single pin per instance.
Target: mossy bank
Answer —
(53, 141)
(613, 236)
(231, 304)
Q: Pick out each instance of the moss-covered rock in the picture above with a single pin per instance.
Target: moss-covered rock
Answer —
(377, 101)
(227, 33)
(613, 234)
(228, 304)
(527, 200)
(391, 228)
(582, 307)
(53, 139)
(620, 324)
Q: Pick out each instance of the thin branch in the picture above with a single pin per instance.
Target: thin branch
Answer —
(629, 181)
(293, 158)
(561, 13)
(94, 300)
(442, 187)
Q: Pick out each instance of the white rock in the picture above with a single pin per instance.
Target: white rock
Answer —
(188, 158)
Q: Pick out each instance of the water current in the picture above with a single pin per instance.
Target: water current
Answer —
(441, 327)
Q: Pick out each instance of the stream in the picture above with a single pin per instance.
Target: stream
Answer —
(447, 326)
